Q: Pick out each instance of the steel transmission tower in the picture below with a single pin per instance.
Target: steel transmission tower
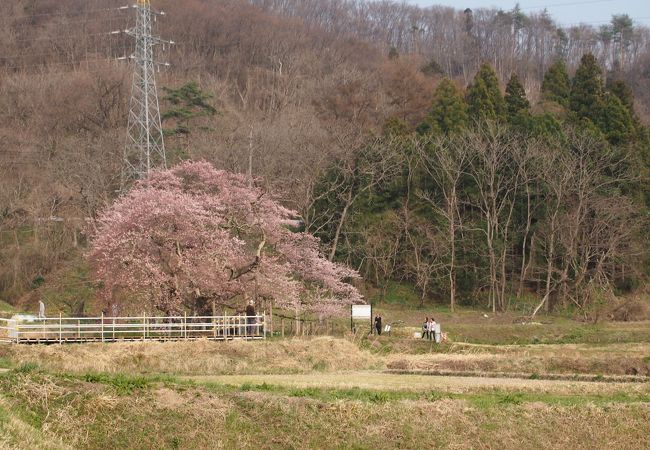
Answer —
(145, 144)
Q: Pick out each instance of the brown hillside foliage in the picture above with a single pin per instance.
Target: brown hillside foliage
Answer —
(296, 84)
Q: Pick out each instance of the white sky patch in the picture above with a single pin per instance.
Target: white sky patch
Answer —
(565, 12)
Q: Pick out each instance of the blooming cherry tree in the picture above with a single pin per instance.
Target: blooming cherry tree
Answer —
(193, 235)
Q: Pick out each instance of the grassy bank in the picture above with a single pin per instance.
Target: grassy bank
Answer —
(199, 357)
(56, 411)
(325, 354)
(325, 393)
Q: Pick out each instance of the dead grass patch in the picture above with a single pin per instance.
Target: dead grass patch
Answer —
(195, 417)
(329, 355)
(615, 359)
(197, 357)
(426, 383)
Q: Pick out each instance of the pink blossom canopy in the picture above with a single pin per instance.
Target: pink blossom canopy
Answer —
(193, 233)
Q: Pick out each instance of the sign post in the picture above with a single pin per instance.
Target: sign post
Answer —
(361, 312)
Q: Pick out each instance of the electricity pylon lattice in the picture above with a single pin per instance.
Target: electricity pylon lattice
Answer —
(145, 144)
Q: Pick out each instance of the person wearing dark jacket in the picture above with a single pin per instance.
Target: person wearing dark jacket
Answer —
(251, 320)
(378, 324)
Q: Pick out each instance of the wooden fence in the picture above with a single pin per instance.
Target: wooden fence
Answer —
(143, 328)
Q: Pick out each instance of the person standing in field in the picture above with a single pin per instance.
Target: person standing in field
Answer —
(251, 319)
(378, 324)
(425, 328)
(437, 333)
(432, 328)
(41, 309)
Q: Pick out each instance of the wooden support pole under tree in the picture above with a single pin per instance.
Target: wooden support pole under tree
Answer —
(214, 318)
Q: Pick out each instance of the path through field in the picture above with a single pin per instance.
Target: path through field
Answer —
(406, 382)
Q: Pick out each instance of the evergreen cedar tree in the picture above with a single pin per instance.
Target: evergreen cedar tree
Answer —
(624, 94)
(448, 113)
(610, 112)
(516, 101)
(193, 234)
(616, 122)
(484, 98)
(556, 86)
(586, 99)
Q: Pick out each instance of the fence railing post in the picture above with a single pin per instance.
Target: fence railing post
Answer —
(60, 329)
(185, 324)
(102, 327)
(144, 326)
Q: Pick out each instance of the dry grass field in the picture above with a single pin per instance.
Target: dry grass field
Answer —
(116, 413)
(352, 392)
(412, 383)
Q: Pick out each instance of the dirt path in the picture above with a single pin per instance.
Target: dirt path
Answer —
(409, 382)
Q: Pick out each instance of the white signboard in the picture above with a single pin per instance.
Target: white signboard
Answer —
(361, 312)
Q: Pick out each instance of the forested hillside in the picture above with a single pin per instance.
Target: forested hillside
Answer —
(481, 156)
(455, 42)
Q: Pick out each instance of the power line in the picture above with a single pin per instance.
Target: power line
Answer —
(45, 65)
(51, 53)
(78, 18)
(70, 13)
(88, 40)
(61, 38)
(43, 26)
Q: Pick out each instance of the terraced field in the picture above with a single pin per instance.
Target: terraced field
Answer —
(325, 393)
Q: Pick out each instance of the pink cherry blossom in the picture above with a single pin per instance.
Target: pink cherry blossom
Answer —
(194, 233)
